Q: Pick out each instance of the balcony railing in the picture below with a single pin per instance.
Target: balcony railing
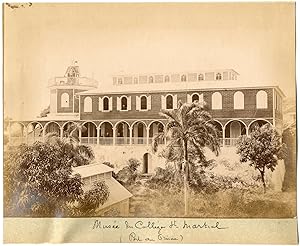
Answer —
(82, 81)
(160, 141)
(139, 140)
(106, 140)
(122, 140)
(88, 140)
(14, 140)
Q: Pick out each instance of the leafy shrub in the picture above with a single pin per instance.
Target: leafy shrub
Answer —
(168, 178)
(93, 198)
(129, 174)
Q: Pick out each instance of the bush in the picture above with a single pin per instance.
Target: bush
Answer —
(129, 174)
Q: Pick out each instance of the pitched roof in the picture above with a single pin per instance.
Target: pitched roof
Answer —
(92, 169)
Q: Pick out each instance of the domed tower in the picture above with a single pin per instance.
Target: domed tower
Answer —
(63, 99)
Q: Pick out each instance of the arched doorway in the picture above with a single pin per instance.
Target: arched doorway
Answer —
(146, 163)
(88, 133)
(233, 130)
(34, 132)
(139, 133)
(106, 134)
(122, 133)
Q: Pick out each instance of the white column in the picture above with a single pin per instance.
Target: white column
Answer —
(26, 134)
(247, 130)
(114, 135)
(79, 135)
(98, 134)
(147, 131)
(223, 132)
(61, 132)
(130, 133)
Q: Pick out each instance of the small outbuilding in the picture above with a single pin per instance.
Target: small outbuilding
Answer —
(118, 200)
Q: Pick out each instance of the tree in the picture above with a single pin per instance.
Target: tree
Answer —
(189, 129)
(262, 148)
(38, 179)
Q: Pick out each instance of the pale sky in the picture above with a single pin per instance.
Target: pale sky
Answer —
(256, 39)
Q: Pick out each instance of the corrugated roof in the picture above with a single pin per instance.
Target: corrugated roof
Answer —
(178, 86)
(92, 169)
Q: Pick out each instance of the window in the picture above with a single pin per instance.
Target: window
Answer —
(183, 78)
(195, 97)
(143, 102)
(169, 101)
(150, 79)
(167, 78)
(105, 103)
(238, 100)
(200, 77)
(262, 99)
(123, 103)
(87, 104)
(65, 103)
(216, 100)
(135, 80)
(120, 81)
(218, 76)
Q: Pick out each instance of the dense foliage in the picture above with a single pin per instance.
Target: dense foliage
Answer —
(261, 149)
(129, 174)
(38, 179)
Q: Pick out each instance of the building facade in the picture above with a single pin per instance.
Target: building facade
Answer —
(127, 112)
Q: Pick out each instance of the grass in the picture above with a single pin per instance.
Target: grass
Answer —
(231, 203)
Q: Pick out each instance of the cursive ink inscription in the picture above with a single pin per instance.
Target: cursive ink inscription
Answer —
(134, 237)
(204, 225)
(145, 225)
(98, 224)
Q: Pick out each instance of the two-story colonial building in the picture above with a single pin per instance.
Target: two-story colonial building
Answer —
(126, 114)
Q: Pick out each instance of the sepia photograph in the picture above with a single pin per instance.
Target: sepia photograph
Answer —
(116, 111)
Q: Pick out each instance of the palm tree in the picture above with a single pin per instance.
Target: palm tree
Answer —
(189, 129)
(77, 153)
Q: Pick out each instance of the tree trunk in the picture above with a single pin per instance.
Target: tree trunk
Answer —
(262, 173)
(186, 180)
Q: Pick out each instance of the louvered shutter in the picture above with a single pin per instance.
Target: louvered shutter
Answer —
(149, 103)
(129, 103)
(118, 103)
(100, 104)
(163, 102)
(110, 104)
(138, 103)
(175, 101)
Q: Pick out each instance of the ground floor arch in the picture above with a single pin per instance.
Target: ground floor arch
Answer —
(139, 133)
(52, 127)
(233, 130)
(106, 133)
(257, 123)
(156, 128)
(34, 132)
(122, 130)
(71, 129)
(18, 133)
(88, 133)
